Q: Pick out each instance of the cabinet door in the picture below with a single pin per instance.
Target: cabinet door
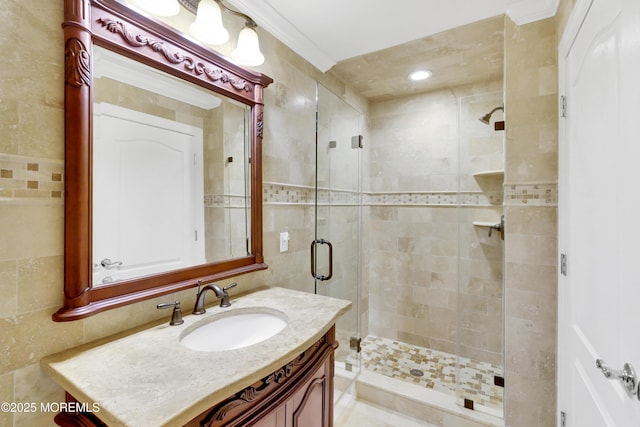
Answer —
(311, 406)
(276, 418)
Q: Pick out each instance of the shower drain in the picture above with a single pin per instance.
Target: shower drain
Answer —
(416, 373)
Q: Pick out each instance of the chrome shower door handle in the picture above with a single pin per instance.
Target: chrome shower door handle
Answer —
(313, 259)
(627, 376)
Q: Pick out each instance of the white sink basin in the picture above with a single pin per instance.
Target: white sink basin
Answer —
(233, 330)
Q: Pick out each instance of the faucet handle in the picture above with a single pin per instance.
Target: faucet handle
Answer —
(224, 299)
(176, 316)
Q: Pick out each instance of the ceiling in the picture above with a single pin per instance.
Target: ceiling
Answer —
(373, 44)
(464, 55)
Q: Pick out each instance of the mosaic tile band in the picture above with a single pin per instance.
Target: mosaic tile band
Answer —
(224, 201)
(28, 179)
(542, 194)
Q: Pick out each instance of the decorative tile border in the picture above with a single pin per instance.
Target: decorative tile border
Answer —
(286, 194)
(278, 194)
(537, 194)
(29, 180)
(224, 201)
(434, 198)
(542, 194)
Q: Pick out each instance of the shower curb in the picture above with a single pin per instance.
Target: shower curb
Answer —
(411, 400)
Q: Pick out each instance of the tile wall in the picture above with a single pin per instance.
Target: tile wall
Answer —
(426, 261)
(531, 223)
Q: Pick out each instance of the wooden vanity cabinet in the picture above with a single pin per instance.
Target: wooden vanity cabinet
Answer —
(307, 407)
(299, 394)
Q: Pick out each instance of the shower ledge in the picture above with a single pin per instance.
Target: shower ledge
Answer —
(486, 223)
(489, 174)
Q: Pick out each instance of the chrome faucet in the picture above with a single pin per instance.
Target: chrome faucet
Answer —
(223, 294)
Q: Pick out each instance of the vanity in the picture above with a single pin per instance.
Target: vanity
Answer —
(149, 378)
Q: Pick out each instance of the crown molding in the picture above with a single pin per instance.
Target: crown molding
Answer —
(520, 11)
(526, 11)
(283, 30)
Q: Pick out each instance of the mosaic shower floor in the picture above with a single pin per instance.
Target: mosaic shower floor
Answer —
(433, 369)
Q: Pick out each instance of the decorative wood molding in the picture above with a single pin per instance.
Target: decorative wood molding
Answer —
(77, 64)
(265, 385)
(199, 68)
(270, 390)
(260, 125)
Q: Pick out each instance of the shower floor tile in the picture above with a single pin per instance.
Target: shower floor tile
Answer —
(433, 369)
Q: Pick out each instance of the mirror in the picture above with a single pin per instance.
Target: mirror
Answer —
(170, 163)
(163, 161)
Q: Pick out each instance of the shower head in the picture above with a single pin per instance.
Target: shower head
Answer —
(485, 119)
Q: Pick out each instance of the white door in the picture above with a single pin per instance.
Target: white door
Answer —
(599, 297)
(148, 204)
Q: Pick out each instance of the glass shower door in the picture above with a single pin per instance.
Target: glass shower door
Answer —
(336, 250)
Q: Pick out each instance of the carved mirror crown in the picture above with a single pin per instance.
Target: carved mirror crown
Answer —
(113, 26)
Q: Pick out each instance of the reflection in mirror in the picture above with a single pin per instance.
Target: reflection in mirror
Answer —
(171, 182)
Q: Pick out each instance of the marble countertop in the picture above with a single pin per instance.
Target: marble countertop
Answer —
(149, 379)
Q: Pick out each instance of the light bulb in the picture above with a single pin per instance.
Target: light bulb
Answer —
(208, 27)
(248, 50)
(420, 75)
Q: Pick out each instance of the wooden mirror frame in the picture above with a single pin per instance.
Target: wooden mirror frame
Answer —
(114, 26)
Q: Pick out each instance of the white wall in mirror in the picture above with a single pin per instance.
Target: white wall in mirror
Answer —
(148, 216)
(149, 126)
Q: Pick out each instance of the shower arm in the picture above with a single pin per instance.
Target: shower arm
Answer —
(485, 119)
(496, 109)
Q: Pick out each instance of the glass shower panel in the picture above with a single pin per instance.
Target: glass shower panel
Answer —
(480, 364)
(237, 182)
(338, 214)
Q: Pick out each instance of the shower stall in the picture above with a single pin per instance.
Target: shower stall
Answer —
(411, 219)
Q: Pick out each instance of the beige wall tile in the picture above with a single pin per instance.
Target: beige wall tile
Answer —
(6, 395)
(29, 337)
(531, 231)
(39, 282)
(34, 386)
(8, 289)
(31, 231)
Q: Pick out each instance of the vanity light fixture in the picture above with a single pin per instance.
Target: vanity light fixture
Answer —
(420, 75)
(209, 29)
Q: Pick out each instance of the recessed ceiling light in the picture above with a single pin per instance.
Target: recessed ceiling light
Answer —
(420, 75)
